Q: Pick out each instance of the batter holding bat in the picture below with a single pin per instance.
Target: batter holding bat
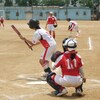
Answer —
(42, 36)
(20, 35)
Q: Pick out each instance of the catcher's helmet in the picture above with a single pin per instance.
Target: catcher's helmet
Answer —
(64, 40)
(33, 23)
(55, 56)
(71, 44)
(63, 46)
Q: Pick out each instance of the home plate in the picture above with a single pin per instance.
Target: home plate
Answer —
(36, 82)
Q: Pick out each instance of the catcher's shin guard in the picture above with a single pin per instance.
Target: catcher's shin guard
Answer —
(48, 70)
(52, 83)
(79, 89)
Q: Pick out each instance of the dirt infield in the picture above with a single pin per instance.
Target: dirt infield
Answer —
(20, 68)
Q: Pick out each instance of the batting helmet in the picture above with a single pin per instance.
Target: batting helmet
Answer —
(55, 56)
(71, 44)
(33, 23)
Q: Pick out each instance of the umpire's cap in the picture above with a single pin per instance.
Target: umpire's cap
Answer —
(33, 23)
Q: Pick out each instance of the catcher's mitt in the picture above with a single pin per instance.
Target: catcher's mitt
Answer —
(55, 56)
(55, 26)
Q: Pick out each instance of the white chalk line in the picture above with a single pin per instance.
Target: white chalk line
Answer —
(24, 76)
(13, 53)
(3, 81)
(36, 82)
(21, 53)
(30, 77)
(26, 85)
(21, 85)
(32, 95)
(94, 80)
(90, 43)
(83, 49)
(21, 96)
(94, 84)
(33, 80)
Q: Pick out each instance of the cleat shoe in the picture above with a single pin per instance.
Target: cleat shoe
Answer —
(57, 93)
(63, 92)
(79, 90)
(54, 92)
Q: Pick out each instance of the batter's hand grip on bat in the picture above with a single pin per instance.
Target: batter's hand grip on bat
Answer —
(28, 45)
(19, 34)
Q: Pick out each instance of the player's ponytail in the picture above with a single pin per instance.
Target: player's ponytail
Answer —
(72, 56)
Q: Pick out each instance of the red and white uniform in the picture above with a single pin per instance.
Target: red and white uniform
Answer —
(73, 26)
(70, 70)
(1, 20)
(50, 22)
(47, 41)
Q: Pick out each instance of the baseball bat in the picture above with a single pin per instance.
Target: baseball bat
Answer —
(19, 34)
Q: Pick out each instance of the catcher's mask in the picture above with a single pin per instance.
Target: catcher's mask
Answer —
(71, 44)
(55, 56)
(33, 23)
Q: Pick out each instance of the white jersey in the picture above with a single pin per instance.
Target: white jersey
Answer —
(73, 23)
(44, 37)
(73, 26)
